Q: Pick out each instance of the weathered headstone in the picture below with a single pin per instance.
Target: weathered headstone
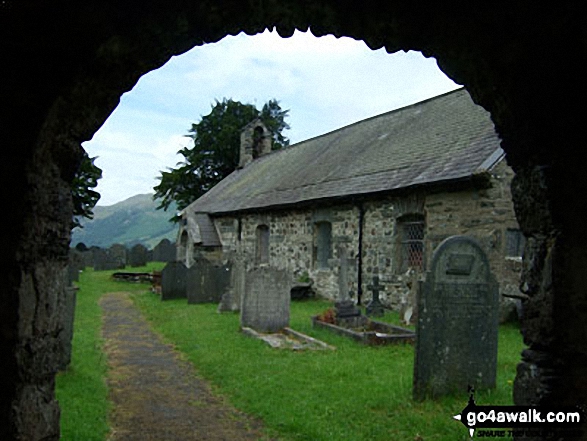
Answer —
(103, 260)
(75, 263)
(65, 337)
(137, 255)
(164, 251)
(265, 305)
(87, 258)
(375, 307)
(118, 253)
(206, 283)
(173, 281)
(231, 299)
(457, 326)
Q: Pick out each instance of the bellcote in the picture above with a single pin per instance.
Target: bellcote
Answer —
(256, 141)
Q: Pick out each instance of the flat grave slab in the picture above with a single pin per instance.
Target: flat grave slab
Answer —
(367, 331)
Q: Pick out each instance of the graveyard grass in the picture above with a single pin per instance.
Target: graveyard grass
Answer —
(353, 393)
(81, 390)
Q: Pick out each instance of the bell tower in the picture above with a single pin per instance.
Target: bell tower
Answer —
(255, 142)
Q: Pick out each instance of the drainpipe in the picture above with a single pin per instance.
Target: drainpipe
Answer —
(360, 263)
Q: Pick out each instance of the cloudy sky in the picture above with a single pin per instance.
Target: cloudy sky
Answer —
(326, 83)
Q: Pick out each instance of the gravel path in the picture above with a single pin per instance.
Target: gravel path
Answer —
(155, 394)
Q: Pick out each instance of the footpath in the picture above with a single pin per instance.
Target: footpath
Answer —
(156, 395)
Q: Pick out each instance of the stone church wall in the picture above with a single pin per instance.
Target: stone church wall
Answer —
(485, 214)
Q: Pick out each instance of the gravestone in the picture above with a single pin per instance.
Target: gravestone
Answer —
(173, 281)
(65, 337)
(231, 299)
(206, 283)
(137, 256)
(458, 311)
(87, 258)
(375, 307)
(103, 261)
(265, 305)
(118, 253)
(164, 251)
(344, 306)
(75, 263)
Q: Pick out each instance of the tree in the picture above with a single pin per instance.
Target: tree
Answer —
(84, 198)
(215, 153)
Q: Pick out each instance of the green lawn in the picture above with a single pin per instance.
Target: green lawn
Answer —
(81, 390)
(353, 393)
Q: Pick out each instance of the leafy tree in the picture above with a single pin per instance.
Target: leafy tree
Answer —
(84, 198)
(215, 153)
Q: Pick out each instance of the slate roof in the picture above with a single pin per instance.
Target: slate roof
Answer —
(441, 139)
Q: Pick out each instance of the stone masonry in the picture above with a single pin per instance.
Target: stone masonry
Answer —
(484, 212)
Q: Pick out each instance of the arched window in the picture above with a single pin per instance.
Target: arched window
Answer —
(411, 242)
(323, 247)
(262, 246)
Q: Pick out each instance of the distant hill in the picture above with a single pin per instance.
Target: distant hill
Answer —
(134, 220)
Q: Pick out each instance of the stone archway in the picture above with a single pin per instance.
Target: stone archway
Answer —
(69, 63)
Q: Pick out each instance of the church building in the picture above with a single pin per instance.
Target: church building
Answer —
(384, 192)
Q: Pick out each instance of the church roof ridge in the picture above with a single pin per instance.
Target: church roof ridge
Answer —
(442, 138)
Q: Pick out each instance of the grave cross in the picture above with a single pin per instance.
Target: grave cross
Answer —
(375, 307)
(345, 306)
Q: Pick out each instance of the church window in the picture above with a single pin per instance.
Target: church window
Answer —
(411, 235)
(262, 244)
(514, 242)
(323, 244)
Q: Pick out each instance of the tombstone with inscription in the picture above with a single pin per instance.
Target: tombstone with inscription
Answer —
(265, 305)
(375, 307)
(206, 283)
(173, 281)
(231, 299)
(457, 325)
(164, 251)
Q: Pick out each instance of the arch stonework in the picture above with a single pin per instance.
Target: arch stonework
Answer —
(66, 64)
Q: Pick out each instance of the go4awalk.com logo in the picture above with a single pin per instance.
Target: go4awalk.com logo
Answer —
(519, 421)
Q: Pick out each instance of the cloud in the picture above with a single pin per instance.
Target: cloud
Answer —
(326, 83)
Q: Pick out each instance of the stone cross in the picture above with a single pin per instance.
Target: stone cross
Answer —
(345, 306)
(375, 307)
(343, 276)
(457, 322)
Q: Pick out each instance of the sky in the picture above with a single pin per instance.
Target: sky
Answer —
(325, 83)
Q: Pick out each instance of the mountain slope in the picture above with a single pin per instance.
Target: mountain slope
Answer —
(134, 220)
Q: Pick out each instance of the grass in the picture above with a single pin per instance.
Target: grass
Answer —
(81, 390)
(353, 393)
